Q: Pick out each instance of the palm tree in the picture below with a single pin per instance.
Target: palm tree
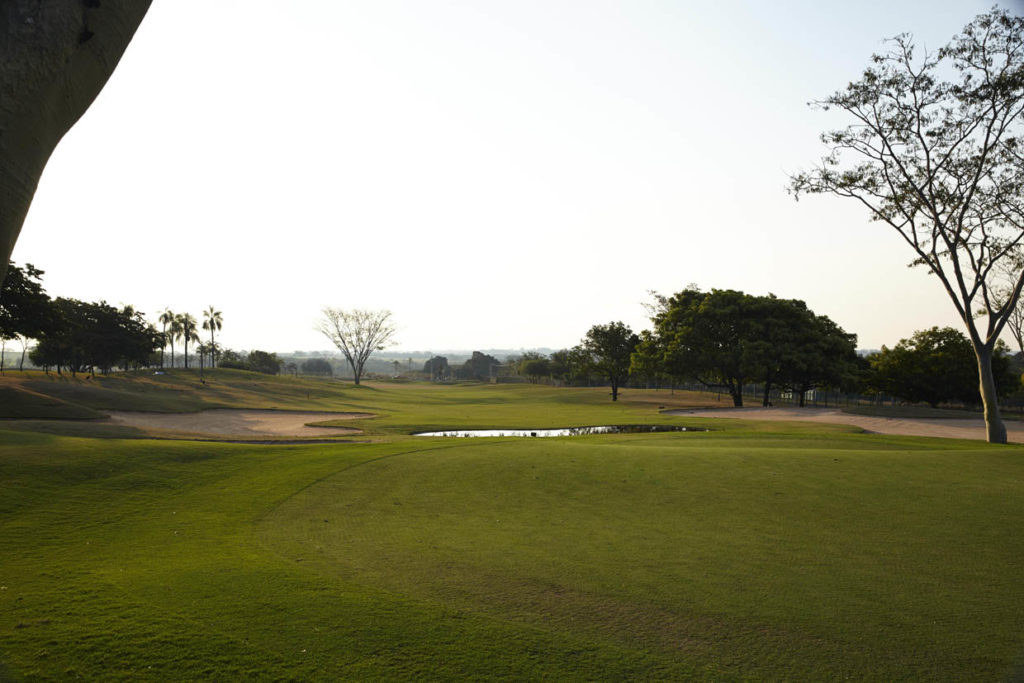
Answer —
(174, 332)
(166, 318)
(188, 331)
(203, 350)
(212, 321)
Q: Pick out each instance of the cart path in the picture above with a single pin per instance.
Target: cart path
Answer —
(971, 428)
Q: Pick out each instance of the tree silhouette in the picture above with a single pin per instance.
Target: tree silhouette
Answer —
(187, 332)
(173, 331)
(942, 163)
(212, 321)
(166, 318)
(357, 333)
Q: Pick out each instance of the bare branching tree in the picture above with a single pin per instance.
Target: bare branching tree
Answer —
(357, 333)
(935, 152)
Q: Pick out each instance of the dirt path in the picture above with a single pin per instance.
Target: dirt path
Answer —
(225, 423)
(946, 428)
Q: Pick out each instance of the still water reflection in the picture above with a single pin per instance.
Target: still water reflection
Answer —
(566, 431)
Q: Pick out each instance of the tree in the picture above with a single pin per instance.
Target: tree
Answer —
(535, 368)
(167, 317)
(560, 365)
(87, 336)
(357, 333)
(727, 338)
(707, 337)
(25, 308)
(212, 321)
(55, 57)
(267, 363)
(174, 331)
(436, 367)
(186, 332)
(942, 163)
(317, 366)
(234, 360)
(825, 356)
(607, 350)
(935, 366)
(479, 366)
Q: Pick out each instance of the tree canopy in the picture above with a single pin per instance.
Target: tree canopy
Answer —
(936, 366)
(607, 350)
(25, 307)
(91, 336)
(727, 338)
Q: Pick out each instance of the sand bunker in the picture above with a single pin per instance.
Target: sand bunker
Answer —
(945, 428)
(239, 424)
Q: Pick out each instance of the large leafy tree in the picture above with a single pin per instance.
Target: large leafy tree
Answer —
(95, 336)
(822, 355)
(262, 361)
(935, 152)
(705, 336)
(55, 57)
(25, 308)
(935, 366)
(726, 338)
(357, 333)
(607, 350)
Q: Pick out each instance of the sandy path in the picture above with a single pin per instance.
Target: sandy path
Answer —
(946, 428)
(222, 423)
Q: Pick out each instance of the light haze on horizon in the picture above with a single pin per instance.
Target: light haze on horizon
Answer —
(497, 174)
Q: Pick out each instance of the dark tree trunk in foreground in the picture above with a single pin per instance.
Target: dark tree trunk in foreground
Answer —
(55, 57)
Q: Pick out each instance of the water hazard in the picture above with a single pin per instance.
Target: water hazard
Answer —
(565, 431)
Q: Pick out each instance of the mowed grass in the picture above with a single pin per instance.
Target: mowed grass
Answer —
(756, 551)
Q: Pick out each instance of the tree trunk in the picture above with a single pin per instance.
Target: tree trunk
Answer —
(766, 399)
(55, 57)
(736, 391)
(995, 430)
(615, 391)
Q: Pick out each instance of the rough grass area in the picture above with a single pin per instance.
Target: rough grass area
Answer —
(175, 391)
(756, 552)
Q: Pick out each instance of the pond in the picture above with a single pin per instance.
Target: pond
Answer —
(565, 431)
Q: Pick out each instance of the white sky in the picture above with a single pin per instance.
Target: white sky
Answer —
(497, 173)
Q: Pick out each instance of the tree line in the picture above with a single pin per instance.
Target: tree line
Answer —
(726, 340)
(721, 339)
(82, 336)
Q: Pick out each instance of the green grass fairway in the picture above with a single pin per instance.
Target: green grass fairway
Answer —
(757, 551)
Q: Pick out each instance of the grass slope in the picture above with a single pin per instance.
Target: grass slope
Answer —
(758, 551)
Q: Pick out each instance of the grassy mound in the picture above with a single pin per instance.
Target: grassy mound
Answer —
(755, 551)
(761, 551)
